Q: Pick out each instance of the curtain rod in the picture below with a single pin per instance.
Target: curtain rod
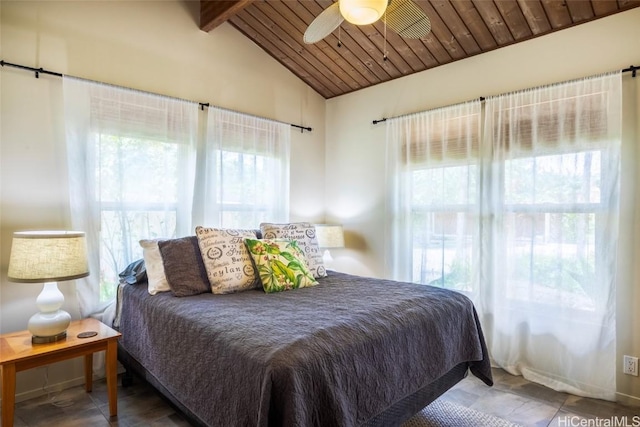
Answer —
(206, 104)
(632, 68)
(38, 71)
(384, 119)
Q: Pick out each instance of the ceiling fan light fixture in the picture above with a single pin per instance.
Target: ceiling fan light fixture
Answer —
(362, 12)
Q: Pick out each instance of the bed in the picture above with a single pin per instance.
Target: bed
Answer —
(350, 351)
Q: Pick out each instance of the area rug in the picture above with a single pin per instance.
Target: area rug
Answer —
(441, 413)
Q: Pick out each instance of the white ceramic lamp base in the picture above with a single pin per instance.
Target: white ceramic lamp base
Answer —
(51, 323)
(326, 257)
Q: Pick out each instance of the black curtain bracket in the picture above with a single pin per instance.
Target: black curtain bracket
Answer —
(302, 128)
(633, 69)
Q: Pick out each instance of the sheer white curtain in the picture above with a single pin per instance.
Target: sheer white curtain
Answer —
(525, 223)
(433, 169)
(550, 222)
(131, 162)
(246, 178)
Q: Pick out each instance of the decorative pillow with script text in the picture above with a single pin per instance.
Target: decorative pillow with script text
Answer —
(226, 259)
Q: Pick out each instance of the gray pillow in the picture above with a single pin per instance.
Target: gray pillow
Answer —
(184, 267)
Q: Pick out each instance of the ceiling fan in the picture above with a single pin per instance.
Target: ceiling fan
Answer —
(403, 16)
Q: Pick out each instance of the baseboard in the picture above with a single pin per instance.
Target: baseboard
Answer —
(53, 388)
(57, 387)
(628, 400)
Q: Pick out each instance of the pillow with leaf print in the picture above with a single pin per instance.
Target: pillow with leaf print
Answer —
(305, 234)
(281, 264)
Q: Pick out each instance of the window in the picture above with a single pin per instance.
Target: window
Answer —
(552, 208)
(131, 159)
(243, 195)
(137, 171)
(438, 183)
(247, 170)
(444, 225)
(136, 202)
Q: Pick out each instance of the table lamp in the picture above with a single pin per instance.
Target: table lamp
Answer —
(329, 236)
(49, 257)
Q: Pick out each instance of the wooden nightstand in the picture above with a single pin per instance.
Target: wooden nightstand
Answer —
(18, 354)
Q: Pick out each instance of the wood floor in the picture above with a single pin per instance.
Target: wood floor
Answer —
(511, 398)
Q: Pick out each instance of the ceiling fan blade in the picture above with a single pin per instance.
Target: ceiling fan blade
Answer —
(407, 19)
(324, 24)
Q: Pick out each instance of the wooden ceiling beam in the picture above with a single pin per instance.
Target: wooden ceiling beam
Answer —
(215, 12)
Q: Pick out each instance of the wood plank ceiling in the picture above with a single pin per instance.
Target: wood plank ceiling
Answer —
(352, 57)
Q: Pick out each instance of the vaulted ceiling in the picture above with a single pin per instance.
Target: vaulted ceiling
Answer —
(352, 57)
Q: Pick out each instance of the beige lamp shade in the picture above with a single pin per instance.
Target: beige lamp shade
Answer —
(330, 236)
(362, 12)
(48, 256)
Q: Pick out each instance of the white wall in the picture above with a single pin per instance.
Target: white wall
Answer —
(151, 46)
(355, 147)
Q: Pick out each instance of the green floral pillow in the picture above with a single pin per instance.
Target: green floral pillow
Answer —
(281, 264)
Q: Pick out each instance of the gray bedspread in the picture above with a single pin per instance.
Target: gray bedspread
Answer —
(335, 354)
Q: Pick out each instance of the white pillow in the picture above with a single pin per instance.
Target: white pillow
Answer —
(155, 269)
